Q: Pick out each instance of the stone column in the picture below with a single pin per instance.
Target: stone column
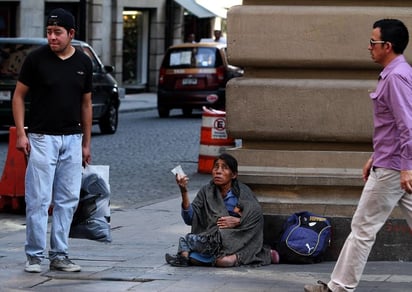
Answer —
(303, 111)
(31, 19)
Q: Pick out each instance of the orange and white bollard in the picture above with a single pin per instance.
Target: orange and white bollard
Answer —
(213, 139)
(13, 178)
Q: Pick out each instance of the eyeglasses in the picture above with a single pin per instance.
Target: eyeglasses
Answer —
(373, 42)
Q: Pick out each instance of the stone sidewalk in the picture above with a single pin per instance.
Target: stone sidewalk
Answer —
(134, 261)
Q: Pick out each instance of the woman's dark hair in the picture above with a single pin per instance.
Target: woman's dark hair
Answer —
(394, 32)
(229, 160)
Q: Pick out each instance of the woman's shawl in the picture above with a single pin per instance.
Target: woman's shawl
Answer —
(246, 240)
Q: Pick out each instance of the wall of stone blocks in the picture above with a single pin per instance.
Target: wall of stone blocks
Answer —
(308, 75)
(302, 109)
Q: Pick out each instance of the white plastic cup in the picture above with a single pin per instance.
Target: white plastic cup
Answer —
(178, 170)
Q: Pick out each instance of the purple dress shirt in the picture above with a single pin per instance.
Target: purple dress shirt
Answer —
(392, 105)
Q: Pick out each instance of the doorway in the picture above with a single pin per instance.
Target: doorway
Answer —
(135, 48)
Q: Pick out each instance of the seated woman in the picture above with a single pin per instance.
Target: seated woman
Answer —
(226, 220)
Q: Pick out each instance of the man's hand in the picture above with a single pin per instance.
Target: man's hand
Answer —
(87, 158)
(367, 169)
(406, 180)
(23, 145)
(228, 222)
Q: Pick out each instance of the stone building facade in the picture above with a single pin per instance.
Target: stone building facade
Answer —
(303, 111)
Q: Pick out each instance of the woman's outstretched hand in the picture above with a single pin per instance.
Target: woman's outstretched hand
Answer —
(182, 181)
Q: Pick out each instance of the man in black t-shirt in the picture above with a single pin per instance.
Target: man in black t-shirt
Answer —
(57, 143)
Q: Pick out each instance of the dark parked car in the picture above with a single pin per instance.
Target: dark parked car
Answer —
(194, 75)
(105, 95)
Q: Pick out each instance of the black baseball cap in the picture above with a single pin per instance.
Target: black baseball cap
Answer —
(61, 17)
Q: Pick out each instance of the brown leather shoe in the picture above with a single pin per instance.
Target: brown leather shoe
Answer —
(319, 287)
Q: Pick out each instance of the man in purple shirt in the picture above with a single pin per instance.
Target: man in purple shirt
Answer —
(388, 173)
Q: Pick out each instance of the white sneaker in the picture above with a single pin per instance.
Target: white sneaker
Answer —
(33, 265)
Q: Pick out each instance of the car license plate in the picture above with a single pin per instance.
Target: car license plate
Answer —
(189, 81)
(5, 95)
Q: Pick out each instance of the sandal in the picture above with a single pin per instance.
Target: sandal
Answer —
(177, 260)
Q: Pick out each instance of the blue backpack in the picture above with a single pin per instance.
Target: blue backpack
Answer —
(305, 238)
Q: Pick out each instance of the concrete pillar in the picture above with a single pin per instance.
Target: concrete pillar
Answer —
(303, 111)
(31, 20)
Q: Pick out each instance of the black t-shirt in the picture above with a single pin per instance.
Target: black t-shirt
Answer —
(56, 88)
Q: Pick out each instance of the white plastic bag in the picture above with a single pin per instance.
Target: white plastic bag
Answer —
(100, 170)
(92, 217)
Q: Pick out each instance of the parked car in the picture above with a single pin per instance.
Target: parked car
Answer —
(193, 75)
(105, 95)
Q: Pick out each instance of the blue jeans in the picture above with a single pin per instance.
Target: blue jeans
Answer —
(53, 176)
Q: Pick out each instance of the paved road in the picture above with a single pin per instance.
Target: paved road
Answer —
(143, 151)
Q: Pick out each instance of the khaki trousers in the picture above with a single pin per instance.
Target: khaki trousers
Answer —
(382, 192)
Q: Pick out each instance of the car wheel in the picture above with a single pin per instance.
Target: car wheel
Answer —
(108, 123)
(163, 112)
(187, 112)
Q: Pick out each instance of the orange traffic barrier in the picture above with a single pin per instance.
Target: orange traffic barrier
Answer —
(213, 139)
(12, 180)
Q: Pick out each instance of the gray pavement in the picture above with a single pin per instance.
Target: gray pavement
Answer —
(134, 261)
(138, 101)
